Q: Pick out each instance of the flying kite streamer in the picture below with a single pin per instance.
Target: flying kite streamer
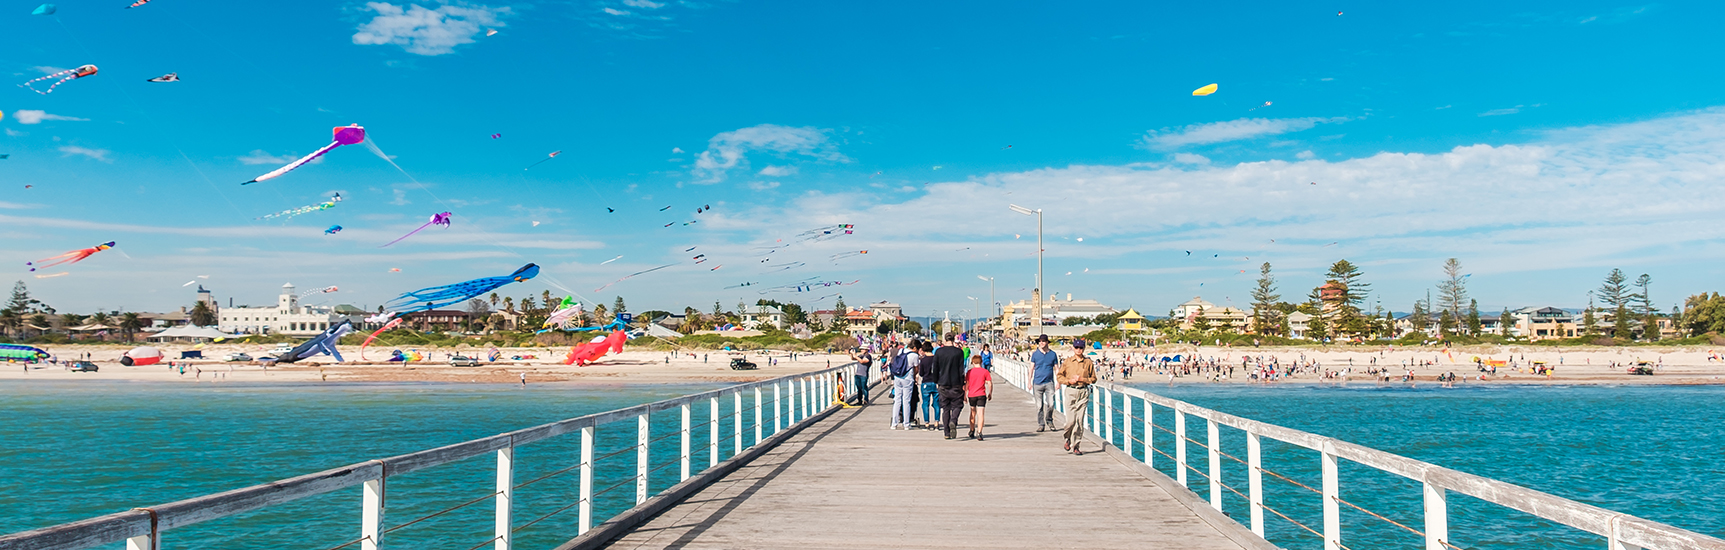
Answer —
(386, 326)
(290, 213)
(69, 74)
(342, 135)
(808, 285)
(825, 233)
(427, 299)
(631, 275)
(843, 255)
(139, 3)
(1207, 90)
(441, 218)
(1266, 104)
(44, 9)
(619, 257)
(542, 161)
(792, 265)
(53, 275)
(170, 77)
(324, 290)
(741, 285)
(72, 257)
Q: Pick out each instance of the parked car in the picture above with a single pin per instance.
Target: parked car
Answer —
(238, 356)
(463, 361)
(83, 366)
(281, 348)
(742, 363)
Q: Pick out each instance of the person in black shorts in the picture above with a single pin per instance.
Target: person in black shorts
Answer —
(978, 388)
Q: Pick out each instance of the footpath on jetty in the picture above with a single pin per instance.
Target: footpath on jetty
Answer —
(848, 479)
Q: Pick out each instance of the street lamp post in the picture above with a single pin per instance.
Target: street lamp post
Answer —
(975, 308)
(991, 302)
(1036, 302)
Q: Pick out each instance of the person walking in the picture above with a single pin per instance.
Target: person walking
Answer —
(1076, 373)
(1042, 382)
(902, 367)
(979, 388)
(864, 361)
(949, 380)
(930, 388)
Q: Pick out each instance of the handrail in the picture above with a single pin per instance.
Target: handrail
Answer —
(1623, 531)
(141, 527)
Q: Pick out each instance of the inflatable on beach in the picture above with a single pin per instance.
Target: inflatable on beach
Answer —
(140, 356)
(19, 352)
(585, 354)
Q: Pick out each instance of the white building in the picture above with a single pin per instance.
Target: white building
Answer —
(286, 317)
(764, 315)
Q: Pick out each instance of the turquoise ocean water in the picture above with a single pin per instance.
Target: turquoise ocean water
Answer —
(76, 450)
(1649, 451)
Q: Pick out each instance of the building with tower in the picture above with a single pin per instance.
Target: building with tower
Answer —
(287, 316)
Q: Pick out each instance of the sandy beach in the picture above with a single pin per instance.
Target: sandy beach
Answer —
(541, 365)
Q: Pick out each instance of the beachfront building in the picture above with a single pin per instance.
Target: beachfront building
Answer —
(1054, 311)
(764, 315)
(1188, 312)
(287, 316)
(1545, 323)
(446, 320)
(1131, 321)
(860, 321)
(1298, 323)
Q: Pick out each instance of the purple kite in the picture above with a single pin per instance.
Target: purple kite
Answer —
(344, 135)
(436, 219)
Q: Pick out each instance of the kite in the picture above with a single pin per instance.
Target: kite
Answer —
(1338, 14)
(619, 257)
(875, 174)
(585, 354)
(44, 9)
(792, 265)
(535, 224)
(825, 233)
(395, 270)
(552, 156)
(170, 77)
(290, 213)
(1006, 147)
(320, 344)
(69, 74)
(441, 218)
(809, 285)
(495, 136)
(53, 275)
(426, 299)
(936, 167)
(626, 277)
(1266, 104)
(189, 283)
(332, 230)
(664, 209)
(567, 312)
(716, 267)
(324, 290)
(1207, 90)
(691, 249)
(72, 257)
(341, 135)
(741, 285)
(138, 3)
(491, 32)
(1188, 253)
(1328, 245)
(843, 255)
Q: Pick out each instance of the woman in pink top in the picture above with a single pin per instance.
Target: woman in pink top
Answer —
(979, 387)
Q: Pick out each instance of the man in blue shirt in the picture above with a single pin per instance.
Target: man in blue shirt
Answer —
(987, 358)
(1042, 363)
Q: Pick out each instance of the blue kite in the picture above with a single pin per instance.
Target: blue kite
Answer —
(427, 299)
(320, 344)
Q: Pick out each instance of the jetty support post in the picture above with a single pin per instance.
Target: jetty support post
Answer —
(1180, 445)
(1437, 516)
(1215, 444)
(1332, 502)
(505, 494)
(586, 502)
(1255, 463)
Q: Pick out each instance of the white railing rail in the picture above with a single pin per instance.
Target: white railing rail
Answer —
(1621, 531)
(793, 399)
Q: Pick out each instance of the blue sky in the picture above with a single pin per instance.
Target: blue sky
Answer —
(1541, 144)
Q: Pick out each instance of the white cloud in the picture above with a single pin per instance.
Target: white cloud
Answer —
(1504, 111)
(1189, 158)
(727, 150)
(96, 154)
(18, 206)
(425, 31)
(778, 171)
(762, 185)
(259, 156)
(27, 116)
(400, 197)
(1217, 132)
(615, 11)
(15, 133)
(677, 150)
(647, 4)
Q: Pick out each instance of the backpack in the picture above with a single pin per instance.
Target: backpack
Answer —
(899, 366)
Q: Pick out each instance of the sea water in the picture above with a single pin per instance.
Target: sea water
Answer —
(1648, 451)
(74, 450)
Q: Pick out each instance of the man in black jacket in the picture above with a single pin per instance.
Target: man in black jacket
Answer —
(949, 380)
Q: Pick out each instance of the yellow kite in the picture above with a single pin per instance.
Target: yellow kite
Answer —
(1207, 90)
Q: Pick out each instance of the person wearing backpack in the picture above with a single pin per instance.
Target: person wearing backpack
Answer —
(902, 368)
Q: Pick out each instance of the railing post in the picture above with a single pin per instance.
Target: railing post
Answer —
(758, 406)
(586, 480)
(1612, 542)
(685, 434)
(1214, 442)
(644, 437)
(737, 421)
(1437, 517)
(778, 409)
(371, 515)
(713, 434)
(1149, 435)
(1332, 506)
(1107, 417)
(1180, 444)
(505, 495)
(805, 396)
(1126, 423)
(1255, 463)
(141, 542)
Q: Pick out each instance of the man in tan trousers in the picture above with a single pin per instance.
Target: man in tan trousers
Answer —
(1076, 373)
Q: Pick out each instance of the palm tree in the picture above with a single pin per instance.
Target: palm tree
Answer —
(70, 320)
(99, 318)
(130, 322)
(494, 300)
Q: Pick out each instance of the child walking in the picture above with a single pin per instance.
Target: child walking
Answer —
(978, 387)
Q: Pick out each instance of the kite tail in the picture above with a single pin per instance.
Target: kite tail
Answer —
(295, 164)
(409, 234)
(386, 326)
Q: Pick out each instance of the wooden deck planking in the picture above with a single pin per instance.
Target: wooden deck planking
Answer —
(849, 481)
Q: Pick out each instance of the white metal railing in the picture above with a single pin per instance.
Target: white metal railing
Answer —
(795, 398)
(1621, 531)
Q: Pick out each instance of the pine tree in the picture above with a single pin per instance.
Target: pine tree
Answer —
(1504, 323)
(1264, 302)
(1589, 323)
(1614, 292)
(1452, 291)
(1420, 318)
(617, 306)
(1473, 317)
(1353, 288)
(1446, 324)
(1643, 304)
